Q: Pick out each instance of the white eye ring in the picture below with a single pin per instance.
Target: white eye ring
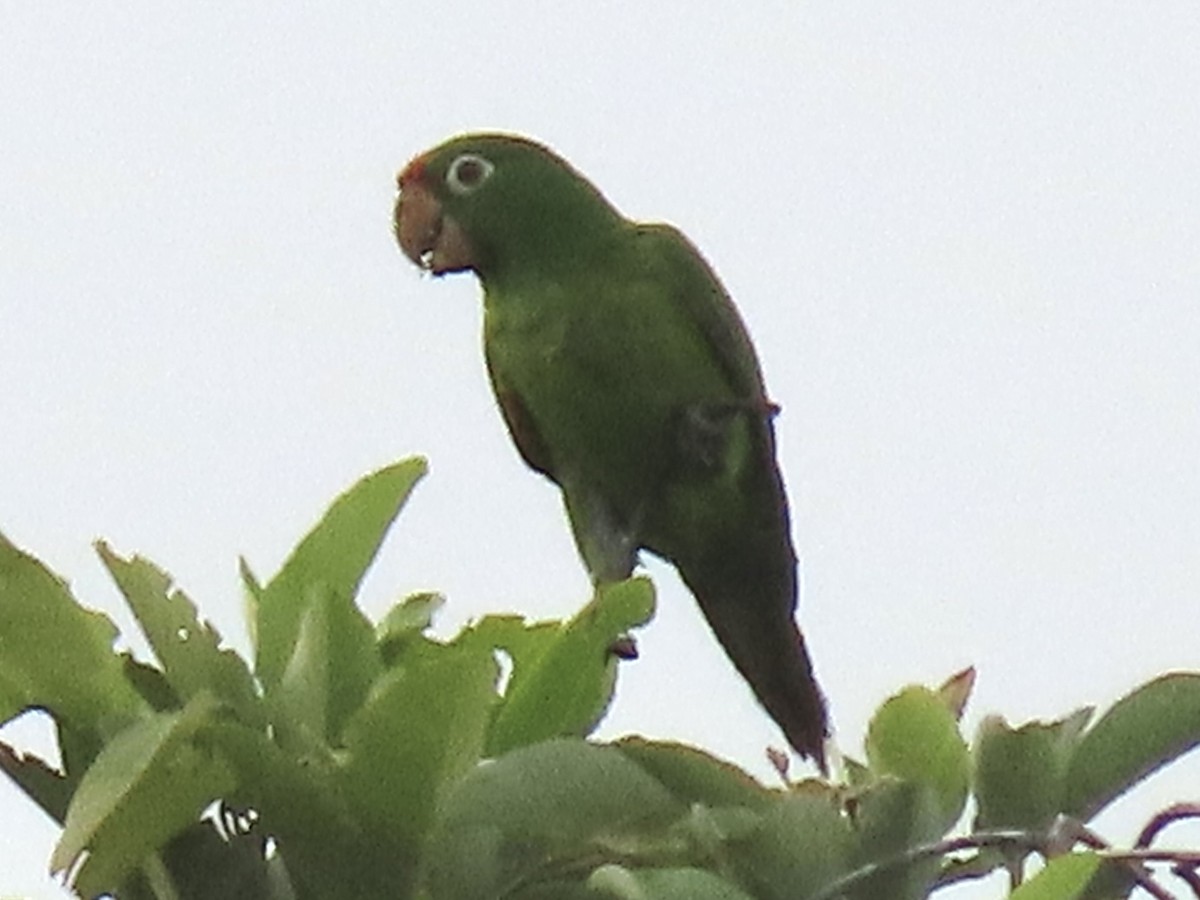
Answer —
(467, 172)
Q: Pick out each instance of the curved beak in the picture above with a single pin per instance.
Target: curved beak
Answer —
(430, 238)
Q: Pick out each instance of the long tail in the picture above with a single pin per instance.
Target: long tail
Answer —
(752, 617)
(727, 528)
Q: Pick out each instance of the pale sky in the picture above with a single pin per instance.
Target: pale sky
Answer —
(965, 237)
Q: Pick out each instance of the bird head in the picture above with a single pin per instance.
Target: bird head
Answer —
(485, 201)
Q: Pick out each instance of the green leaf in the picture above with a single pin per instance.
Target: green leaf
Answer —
(538, 810)
(48, 787)
(919, 776)
(252, 595)
(401, 635)
(187, 648)
(694, 776)
(1021, 774)
(1142, 732)
(803, 844)
(563, 676)
(621, 883)
(1114, 879)
(333, 557)
(206, 865)
(151, 684)
(1064, 878)
(707, 833)
(407, 621)
(149, 783)
(914, 736)
(333, 664)
(56, 654)
(299, 802)
(894, 817)
(422, 728)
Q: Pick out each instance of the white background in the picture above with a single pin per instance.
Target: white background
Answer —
(965, 236)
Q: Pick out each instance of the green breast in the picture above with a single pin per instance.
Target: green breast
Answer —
(603, 366)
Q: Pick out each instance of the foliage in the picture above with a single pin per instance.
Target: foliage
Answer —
(357, 760)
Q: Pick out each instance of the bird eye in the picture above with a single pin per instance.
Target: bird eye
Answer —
(467, 172)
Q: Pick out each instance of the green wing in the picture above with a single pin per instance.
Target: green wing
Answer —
(694, 286)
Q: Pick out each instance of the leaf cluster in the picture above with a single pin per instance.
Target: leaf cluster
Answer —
(361, 760)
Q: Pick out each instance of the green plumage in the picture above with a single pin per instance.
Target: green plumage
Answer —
(626, 375)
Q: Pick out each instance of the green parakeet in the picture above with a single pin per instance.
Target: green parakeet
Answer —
(625, 375)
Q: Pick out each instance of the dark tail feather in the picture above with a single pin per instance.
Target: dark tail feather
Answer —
(729, 536)
(752, 618)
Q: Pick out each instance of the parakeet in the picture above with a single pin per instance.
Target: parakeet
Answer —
(625, 375)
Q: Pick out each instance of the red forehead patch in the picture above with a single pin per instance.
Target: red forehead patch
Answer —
(414, 171)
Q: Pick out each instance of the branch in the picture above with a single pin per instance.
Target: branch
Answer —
(1175, 813)
(1071, 831)
(1185, 860)
(1005, 840)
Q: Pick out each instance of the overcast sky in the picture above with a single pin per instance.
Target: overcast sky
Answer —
(965, 237)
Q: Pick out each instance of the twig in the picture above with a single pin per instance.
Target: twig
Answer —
(1185, 860)
(1174, 813)
(1183, 857)
(1071, 831)
(1189, 877)
(1004, 839)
